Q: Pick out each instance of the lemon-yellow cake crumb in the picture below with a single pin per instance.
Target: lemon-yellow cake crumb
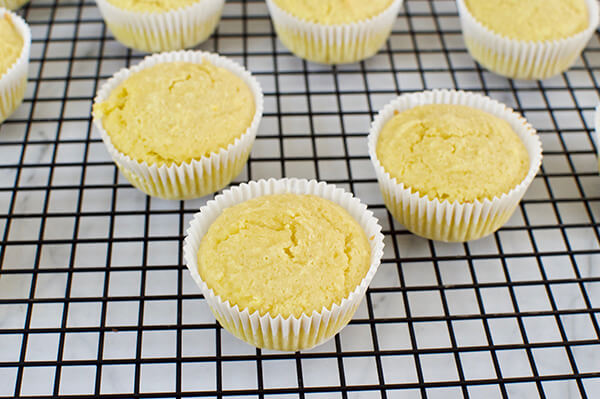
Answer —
(176, 112)
(151, 5)
(452, 152)
(11, 44)
(536, 20)
(284, 254)
(334, 12)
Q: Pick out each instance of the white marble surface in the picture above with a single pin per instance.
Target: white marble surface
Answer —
(130, 289)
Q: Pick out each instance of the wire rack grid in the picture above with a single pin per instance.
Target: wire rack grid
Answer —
(95, 300)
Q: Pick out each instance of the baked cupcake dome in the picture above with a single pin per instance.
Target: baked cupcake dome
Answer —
(284, 254)
(452, 152)
(13, 70)
(175, 112)
(445, 220)
(524, 59)
(162, 25)
(327, 41)
(532, 20)
(13, 4)
(192, 176)
(276, 331)
(333, 12)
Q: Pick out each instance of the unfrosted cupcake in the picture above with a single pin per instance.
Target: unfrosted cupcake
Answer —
(284, 264)
(161, 25)
(180, 125)
(13, 4)
(14, 61)
(533, 39)
(452, 166)
(334, 31)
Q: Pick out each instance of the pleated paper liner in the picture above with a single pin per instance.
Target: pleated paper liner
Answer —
(334, 44)
(171, 30)
(274, 331)
(520, 59)
(190, 179)
(14, 81)
(446, 221)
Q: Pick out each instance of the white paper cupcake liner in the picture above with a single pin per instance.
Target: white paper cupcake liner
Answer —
(14, 81)
(521, 59)
(154, 32)
(190, 179)
(278, 333)
(333, 44)
(13, 4)
(445, 221)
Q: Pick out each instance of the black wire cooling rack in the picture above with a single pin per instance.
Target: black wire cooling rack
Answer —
(95, 300)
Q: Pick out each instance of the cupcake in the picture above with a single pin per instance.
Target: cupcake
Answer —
(13, 4)
(14, 61)
(161, 25)
(284, 264)
(180, 125)
(333, 31)
(533, 39)
(452, 166)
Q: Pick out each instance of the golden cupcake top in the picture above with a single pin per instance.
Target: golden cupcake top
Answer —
(452, 152)
(176, 112)
(11, 43)
(535, 20)
(285, 254)
(151, 5)
(334, 12)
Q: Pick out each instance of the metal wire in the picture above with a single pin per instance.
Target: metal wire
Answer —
(95, 300)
